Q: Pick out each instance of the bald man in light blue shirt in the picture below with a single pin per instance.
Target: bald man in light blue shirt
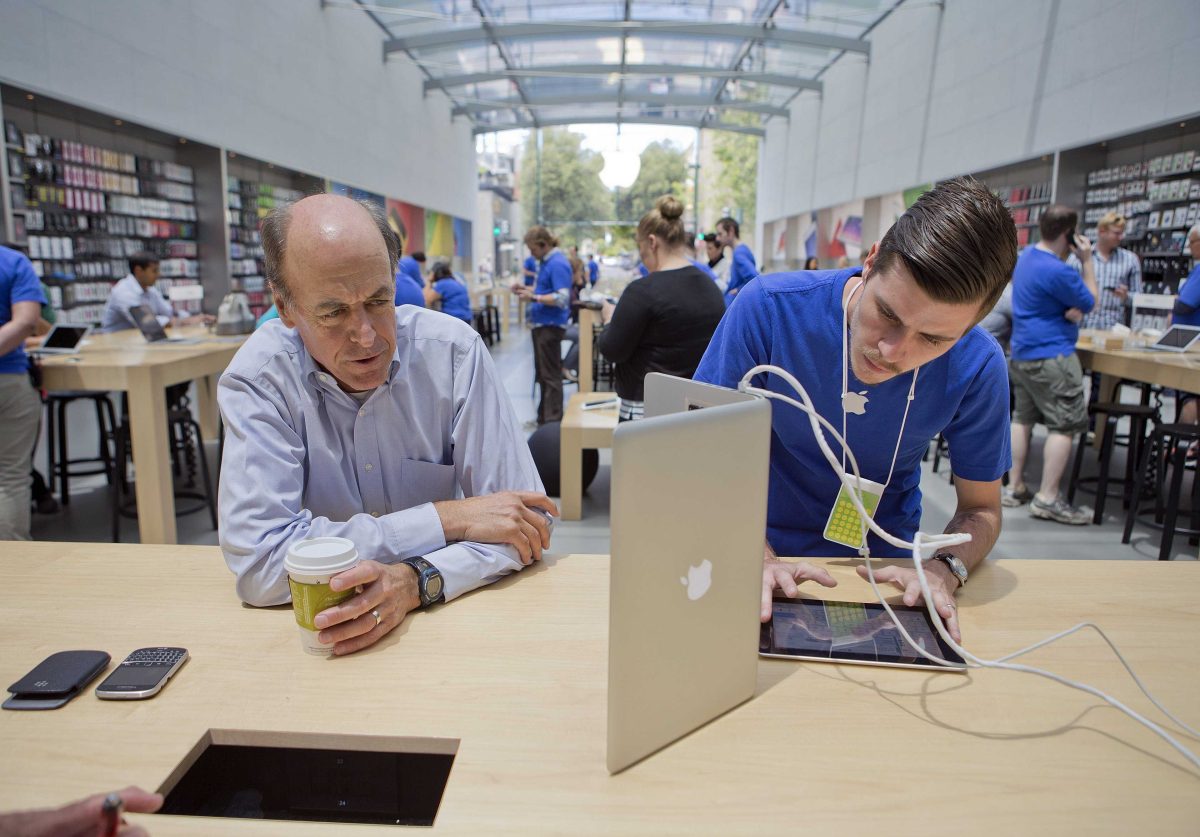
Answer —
(351, 417)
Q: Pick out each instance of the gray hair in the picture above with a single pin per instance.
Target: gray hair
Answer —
(1194, 231)
(274, 230)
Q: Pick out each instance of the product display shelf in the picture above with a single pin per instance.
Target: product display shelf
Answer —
(81, 210)
(249, 201)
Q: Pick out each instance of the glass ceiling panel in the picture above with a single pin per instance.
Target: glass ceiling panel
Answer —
(457, 47)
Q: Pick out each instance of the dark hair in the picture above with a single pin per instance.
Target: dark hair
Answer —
(274, 229)
(441, 270)
(958, 241)
(419, 256)
(710, 238)
(540, 235)
(730, 224)
(142, 259)
(1056, 220)
(812, 263)
(665, 222)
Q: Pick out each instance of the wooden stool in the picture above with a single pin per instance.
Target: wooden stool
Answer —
(1168, 443)
(1139, 416)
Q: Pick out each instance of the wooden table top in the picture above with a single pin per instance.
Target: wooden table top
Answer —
(516, 673)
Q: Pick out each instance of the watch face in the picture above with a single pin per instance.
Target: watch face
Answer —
(433, 587)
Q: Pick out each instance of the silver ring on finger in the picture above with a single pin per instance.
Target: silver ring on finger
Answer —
(378, 618)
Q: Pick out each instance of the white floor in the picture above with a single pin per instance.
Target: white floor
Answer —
(87, 516)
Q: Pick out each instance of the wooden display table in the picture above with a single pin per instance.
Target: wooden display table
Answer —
(588, 317)
(516, 674)
(581, 430)
(124, 361)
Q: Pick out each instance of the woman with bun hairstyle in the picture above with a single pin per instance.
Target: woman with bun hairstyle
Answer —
(551, 298)
(664, 320)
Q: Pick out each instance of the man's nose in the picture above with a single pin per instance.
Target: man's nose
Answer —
(361, 330)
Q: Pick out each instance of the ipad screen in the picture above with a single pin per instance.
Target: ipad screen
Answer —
(850, 632)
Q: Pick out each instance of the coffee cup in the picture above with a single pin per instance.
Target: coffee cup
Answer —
(310, 564)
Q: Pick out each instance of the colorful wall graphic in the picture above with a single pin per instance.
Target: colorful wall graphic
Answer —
(356, 193)
(462, 244)
(439, 235)
(845, 234)
(408, 222)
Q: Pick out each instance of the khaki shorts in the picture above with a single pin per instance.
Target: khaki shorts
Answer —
(1049, 392)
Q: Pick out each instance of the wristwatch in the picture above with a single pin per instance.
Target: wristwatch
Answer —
(955, 564)
(429, 580)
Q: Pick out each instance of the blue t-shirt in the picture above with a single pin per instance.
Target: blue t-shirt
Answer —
(271, 313)
(741, 271)
(531, 266)
(455, 300)
(555, 275)
(1043, 288)
(18, 283)
(793, 320)
(642, 270)
(412, 268)
(408, 292)
(593, 271)
(1189, 295)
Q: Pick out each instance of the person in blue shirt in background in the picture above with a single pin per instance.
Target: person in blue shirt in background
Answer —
(912, 307)
(451, 293)
(410, 266)
(530, 270)
(742, 268)
(1049, 298)
(593, 270)
(1187, 312)
(408, 291)
(21, 301)
(551, 298)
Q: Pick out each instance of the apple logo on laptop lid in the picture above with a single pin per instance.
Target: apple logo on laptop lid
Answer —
(698, 579)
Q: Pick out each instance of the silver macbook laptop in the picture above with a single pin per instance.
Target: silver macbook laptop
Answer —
(63, 340)
(686, 579)
(666, 394)
(1178, 338)
(151, 328)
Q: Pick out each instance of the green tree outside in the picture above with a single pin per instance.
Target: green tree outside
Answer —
(571, 189)
(736, 186)
(663, 171)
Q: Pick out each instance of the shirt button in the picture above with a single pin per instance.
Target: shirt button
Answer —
(363, 411)
(369, 467)
(374, 514)
(324, 378)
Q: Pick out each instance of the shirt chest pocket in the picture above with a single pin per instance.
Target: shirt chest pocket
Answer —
(424, 482)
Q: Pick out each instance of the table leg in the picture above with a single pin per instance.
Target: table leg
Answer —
(586, 384)
(1108, 386)
(151, 457)
(570, 473)
(206, 406)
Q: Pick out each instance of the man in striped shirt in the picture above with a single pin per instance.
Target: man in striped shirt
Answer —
(1118, 274)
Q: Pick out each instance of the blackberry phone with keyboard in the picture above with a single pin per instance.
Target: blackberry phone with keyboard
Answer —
(142, 674)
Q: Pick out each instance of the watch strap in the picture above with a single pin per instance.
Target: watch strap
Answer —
(425, 571)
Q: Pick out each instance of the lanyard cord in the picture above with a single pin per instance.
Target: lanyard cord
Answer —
(912, 394)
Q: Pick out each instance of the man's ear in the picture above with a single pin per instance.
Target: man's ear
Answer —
(869, 260)
(284, 314)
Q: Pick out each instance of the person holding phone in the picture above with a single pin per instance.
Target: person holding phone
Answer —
(1118, 273)
(1049, 299)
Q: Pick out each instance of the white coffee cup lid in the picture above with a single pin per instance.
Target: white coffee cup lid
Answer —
(320, 556)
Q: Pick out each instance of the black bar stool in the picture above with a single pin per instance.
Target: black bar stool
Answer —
(62, 466)
(1139, 415)
(1168, 446)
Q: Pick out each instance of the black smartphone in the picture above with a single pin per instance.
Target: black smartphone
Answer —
(55, 680)
(1071, 238)
(142, 674)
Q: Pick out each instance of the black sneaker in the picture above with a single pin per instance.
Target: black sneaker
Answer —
(1059, 512)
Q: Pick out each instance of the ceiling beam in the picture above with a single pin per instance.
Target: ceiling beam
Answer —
(625, 120)
(465, 36)
(600, 70)
(609, 97)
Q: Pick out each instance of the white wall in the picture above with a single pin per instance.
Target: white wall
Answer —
(978, 85)
(281, 80)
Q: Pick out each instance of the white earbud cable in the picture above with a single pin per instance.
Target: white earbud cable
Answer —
(934, 542)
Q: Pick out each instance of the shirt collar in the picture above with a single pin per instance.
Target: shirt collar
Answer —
(319, 379)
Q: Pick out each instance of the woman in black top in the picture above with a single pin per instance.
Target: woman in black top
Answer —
(664, 320)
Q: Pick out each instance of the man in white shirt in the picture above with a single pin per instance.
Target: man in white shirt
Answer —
(137, 288)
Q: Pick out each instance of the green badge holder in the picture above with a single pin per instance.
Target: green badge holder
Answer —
(843, 525)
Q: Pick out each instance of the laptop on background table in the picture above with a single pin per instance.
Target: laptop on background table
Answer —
(686, 576)
(151, 328)
(63, 339)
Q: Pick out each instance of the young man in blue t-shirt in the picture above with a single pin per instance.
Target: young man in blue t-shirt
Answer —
(902, 322)
(21, 301)
(742, 268)
(551, 298)
(1049, 299)
(1187, 312)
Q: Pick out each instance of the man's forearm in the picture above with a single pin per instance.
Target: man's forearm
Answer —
(983, 525)
(13, 334)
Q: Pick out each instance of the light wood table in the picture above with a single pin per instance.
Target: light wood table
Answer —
(516, 675)
(580, 430)
(588, 317)
(1167, 369)
(124, 361)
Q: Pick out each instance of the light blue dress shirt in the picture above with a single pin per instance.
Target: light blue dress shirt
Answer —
(126, 294)
(304, 459)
